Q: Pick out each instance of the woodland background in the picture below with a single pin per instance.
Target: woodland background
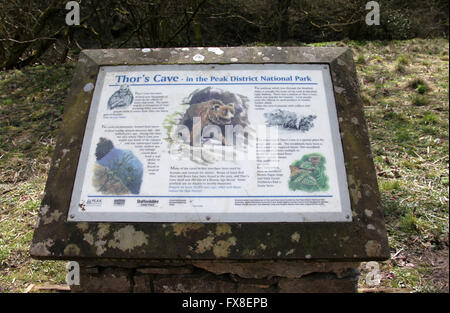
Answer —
(35, 31)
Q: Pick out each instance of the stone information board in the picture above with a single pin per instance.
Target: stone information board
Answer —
(175, 166)
(212, 143)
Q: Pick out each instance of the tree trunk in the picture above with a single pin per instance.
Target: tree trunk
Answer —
(19, 48)
(283, 24)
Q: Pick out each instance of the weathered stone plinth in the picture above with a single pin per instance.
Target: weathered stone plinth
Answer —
(219, 277)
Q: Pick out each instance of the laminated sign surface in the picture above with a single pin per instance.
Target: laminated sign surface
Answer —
(212, 143)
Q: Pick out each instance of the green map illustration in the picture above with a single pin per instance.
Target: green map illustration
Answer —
(308, 173)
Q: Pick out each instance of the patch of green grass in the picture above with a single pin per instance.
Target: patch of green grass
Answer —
(403, 60)
(401, 69)
(419, 85)
(404, 135)
(390, 185)
(410, 147)
(31, 105)
(430, 118)
(419, 100)
(395, 116)
(430, 130)
(405, 277)
(366, 100)
(18, 212)
(377, 58)
(360, 59)
(422, 89)
(408, 223)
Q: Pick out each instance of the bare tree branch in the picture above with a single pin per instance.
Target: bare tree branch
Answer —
(188, 22)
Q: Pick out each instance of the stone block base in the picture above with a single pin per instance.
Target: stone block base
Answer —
(218, 277)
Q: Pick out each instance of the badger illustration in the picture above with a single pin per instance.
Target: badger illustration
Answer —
(228, 98)
(215, 107)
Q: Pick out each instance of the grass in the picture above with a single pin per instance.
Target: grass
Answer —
(419, 100)
(408, 128)
(360, 59)
(403, 60)
(406, 106)
(31, 104)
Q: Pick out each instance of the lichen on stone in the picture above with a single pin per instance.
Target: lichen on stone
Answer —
(184, 228)
(72, 250)
(295, 237)
(103, 230)
(89, 238)
(204, 244)
(127, 238)
(53, 217)
(83, 226)
(373, 248)
(222, 248)
(41, 248)
(223, 229)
